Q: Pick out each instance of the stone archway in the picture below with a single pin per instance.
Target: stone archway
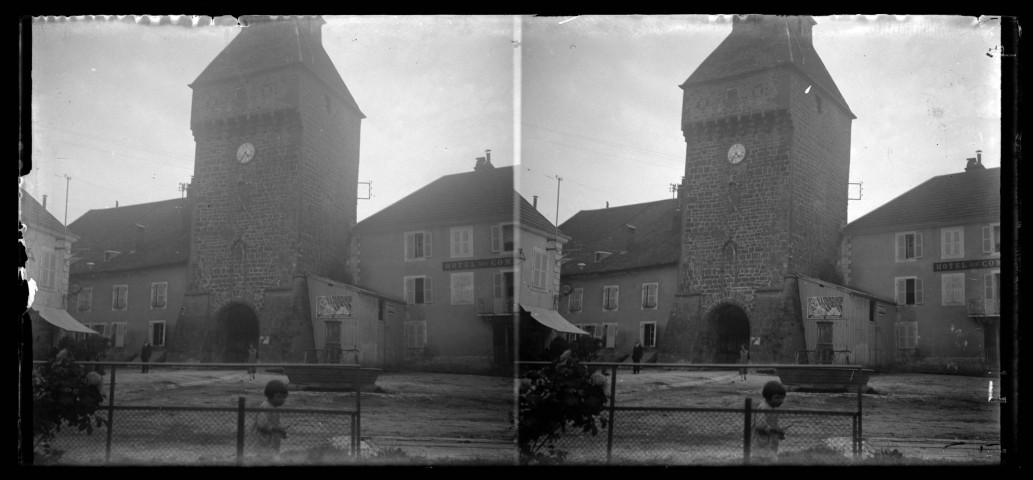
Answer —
(236, 327)
(728, 328)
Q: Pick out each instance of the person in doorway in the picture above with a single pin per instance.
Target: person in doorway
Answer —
(636, 356)
(266, 432)
(767, 433)
(145, 355)
(744, 358)
(252, 357)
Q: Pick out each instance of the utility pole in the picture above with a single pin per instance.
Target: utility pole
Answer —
(68, 180)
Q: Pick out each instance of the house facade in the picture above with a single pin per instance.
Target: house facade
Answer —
(936, 250)
(620, 274)
(129, 276)
(48, 247)
(453, 253)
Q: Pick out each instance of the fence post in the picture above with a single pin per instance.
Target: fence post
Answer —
(746, 431)
(111, 415)
(240, 430)
(860, 432)
(357, 438)
(613, 401)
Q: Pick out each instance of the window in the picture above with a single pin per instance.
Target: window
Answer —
(416, 334)
(158, 333)
(649, 293)
(909, 291)
(992, 292)
(100, 328)
(577, 296)
(589, 328)
(118, 334)
(647, 334)
(159, 294)
(992, 239)
(952, 241)
(462, 288)
(609, 335)
(601, 255)
(502, 292)
(418, 290)
(85, 299)
(909, 246)
(610, 293)
(502, 238)
(462, 242)
(417, 245)
(907, 335)
(538, 269)
(952, 286)
(119, 296)
(47, 266)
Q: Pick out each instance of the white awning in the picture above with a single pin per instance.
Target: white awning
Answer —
(61, 319)
(552, 319)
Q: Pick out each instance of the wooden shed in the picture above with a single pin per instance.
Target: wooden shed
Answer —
(845, 326)
(351, 325)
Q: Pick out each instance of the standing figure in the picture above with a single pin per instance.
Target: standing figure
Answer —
(266, 432)
(766, 431)
(145, 355)
(252, 357)
(636, 356)
(744, 358)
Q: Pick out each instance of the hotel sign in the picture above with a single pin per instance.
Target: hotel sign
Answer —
(480, 263)
(967, 265)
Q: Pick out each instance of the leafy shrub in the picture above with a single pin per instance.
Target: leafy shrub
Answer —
(63, 394)
(561, 395)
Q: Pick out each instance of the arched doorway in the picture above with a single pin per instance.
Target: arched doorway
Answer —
(729, 328)
(236, 329)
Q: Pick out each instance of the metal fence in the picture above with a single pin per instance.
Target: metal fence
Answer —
(705, 436)
(154, 435)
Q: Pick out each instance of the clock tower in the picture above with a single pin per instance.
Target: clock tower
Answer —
(764, 195)
(274, 189)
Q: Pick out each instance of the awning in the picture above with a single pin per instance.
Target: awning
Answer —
(61, 319)
(552, 319)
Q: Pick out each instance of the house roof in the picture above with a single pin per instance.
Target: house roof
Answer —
(657, 238)
(760, 42)
(266, 44)
(166, 237)
(476, 196)
(957, 198)
(33, 215)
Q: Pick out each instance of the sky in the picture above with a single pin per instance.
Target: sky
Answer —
(587, 107)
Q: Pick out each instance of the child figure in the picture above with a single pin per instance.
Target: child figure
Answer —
(744, 358)
(252, 357)
(766, 431)
(266, 432)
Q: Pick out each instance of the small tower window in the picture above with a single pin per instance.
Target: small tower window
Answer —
(817, 100)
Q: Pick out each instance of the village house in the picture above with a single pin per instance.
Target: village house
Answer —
(465, 269)
(936, 250)
(620, 273)
(48, 247)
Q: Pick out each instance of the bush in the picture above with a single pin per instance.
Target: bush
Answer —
(63, 394)
(564, 394)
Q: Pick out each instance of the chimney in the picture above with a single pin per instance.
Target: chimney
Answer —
(487, 157)
(44, 202)
(535, 204)
(975, 163)
(484, 163)
(140, 235)
(631, 237)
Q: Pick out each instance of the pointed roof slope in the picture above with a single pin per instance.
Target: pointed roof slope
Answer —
(477, 196)
(266, 44)
(957, 198)
(760, 42)
(166, 238)
(33, 215)
(656, 239)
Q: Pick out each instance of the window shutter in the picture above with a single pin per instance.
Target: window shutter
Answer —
(114, 298)
(901, 246)
(426, 244)
(410, 290)
(421, 334)
(498, 280)
(988, 239)
(642, 333)
(901, 290)
(611, 339)
(919, 295)
(410, 246)
(918, 245)
(496, 238)
(988, 287)
(428, 290)
(899, 335)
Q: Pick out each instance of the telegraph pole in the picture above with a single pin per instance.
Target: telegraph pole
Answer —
(68, 181)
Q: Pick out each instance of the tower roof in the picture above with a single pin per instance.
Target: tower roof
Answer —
(760, 42)
(267, 43)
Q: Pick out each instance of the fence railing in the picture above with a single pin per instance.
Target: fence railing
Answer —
(699, 436)
(149, 434)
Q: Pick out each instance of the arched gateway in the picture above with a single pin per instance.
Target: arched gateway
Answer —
(236, 328)
(728, 328)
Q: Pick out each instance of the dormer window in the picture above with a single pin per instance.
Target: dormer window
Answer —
(110, 254)
(601, 255)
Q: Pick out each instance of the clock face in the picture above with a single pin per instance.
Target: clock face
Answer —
(736, 153)
(245, 153)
